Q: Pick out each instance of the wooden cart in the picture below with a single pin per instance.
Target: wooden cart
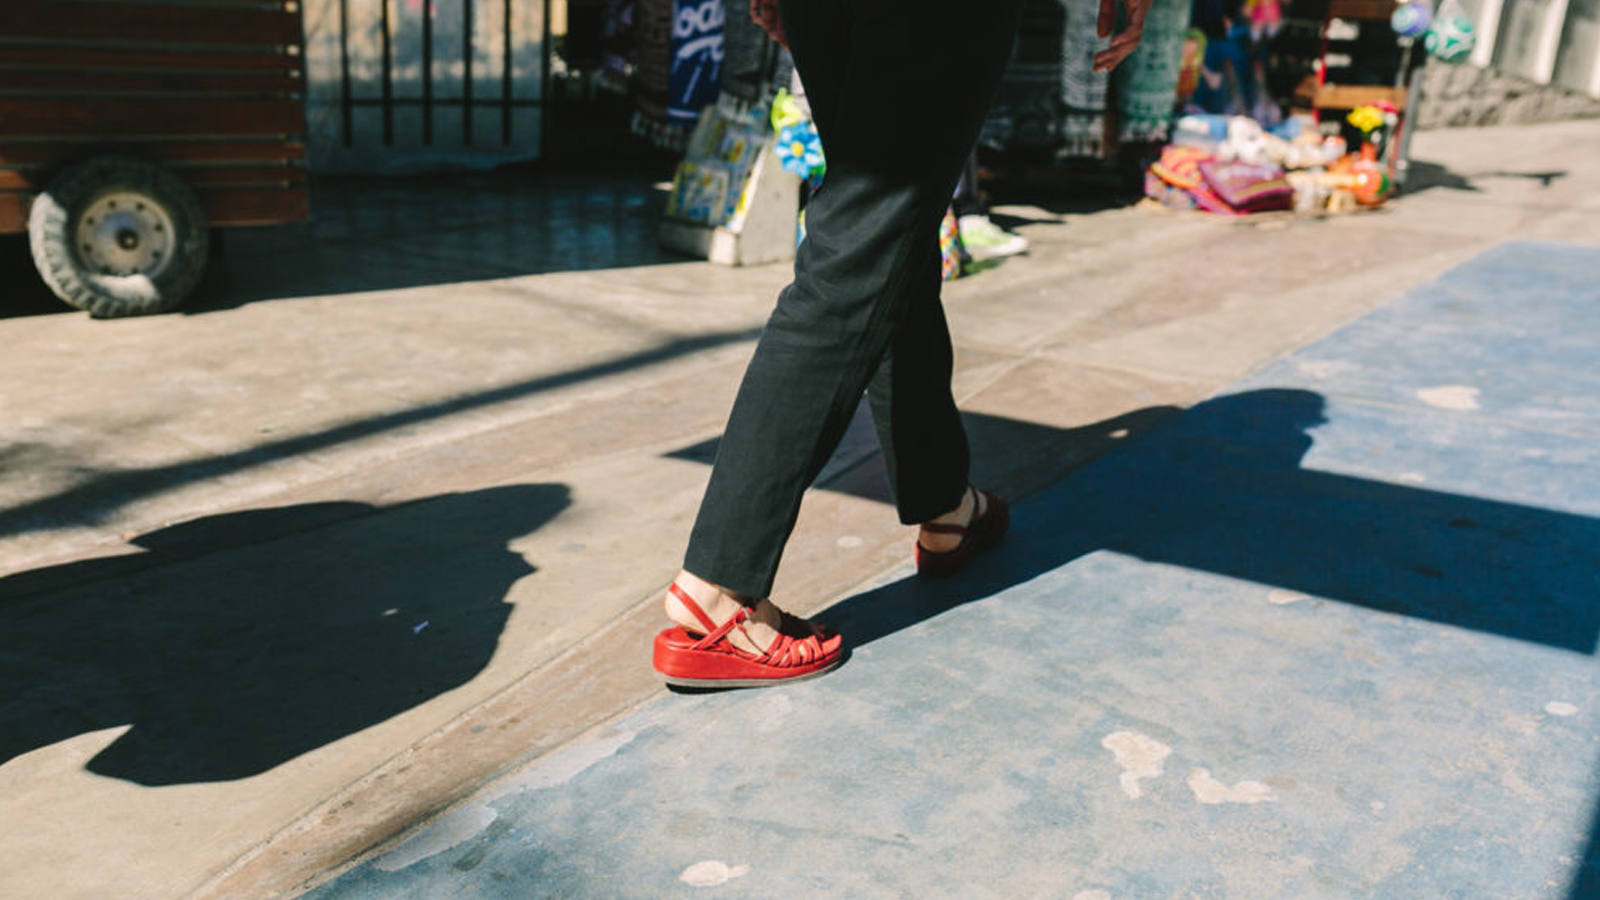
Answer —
(129, 129)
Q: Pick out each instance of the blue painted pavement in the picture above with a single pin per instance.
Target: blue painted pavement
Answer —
(1330, 634)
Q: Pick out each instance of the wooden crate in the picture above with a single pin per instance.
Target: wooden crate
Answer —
(213, 89)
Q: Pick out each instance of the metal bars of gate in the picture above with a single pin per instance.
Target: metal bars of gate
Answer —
(429, 99)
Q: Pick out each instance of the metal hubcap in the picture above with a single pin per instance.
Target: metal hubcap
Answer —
(125, 233)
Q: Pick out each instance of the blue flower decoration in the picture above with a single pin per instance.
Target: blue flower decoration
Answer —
(800, 149)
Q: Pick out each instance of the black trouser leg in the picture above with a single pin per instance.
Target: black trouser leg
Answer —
(924, 446)
(896, 127)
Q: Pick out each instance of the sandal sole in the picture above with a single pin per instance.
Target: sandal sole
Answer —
(678, 681)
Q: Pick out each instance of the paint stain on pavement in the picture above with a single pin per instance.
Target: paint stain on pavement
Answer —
(1458, 397)
(711, 873)
(1210, 790)
(1284, 598)
(1139, 756)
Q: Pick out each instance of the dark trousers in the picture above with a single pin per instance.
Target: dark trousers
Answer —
(898, 90)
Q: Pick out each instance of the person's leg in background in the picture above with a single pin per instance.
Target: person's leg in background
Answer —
(896, 135)
(981, 238)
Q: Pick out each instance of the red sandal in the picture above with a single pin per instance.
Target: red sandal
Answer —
(982, 532)
(687, 659)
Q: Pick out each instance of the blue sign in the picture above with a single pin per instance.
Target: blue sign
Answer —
(697, 52)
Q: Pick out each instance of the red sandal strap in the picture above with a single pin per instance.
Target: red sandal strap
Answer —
(791, 651)
(720, 633)
(688, 601)
(979, 510)
(714, 632)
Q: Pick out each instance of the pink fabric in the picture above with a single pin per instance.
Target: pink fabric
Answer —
(1247, 187)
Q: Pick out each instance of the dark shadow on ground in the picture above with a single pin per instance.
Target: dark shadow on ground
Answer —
(386, 233)
(1586, 885)
(228, 662)
(1422, 175)
(22, 293)
(369, 234)
(1071, 188)
(104, 492)
(1220, 489)
(1012, 455)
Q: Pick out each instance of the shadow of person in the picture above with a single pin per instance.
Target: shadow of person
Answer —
(1220, 489)
(247, 639)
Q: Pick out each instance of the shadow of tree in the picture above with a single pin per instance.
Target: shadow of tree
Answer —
(243, 640)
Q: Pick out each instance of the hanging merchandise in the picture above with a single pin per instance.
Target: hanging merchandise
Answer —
(678, 66)
(1147, 81)
(652, 36)
(949, 246)
(1083, 89)
(1194, 53)
(1452, 37)
(616, 41)
(710, 186)
(1411, 19)
(697, 51)
(748, 55)
(736, 190)
(800, 149)
(1265, 17)
(1026, 114)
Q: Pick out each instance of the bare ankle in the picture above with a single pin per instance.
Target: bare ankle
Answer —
(965, 511)
(718, 604)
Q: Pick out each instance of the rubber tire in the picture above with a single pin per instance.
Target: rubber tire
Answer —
(53, 225)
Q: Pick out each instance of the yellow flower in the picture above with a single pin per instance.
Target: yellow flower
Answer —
(785, 111)
(1365, 118)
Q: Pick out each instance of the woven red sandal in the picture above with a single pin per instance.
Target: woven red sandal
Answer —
(687, 659)
(984, 531)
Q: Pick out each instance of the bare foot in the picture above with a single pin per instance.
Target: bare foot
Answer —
(756, 634)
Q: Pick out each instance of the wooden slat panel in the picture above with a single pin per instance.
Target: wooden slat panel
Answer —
(223, 207)
(112, 118)
(1350, 96)
(1360, 9)
(101, 58)
(254, 176)
(255, 207)
(14, 212)
(79, 82)
(54, 20)
(54, 153)
(200, 178)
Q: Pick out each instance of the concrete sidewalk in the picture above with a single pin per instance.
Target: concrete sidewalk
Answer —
(285, 577)
(1329, 634)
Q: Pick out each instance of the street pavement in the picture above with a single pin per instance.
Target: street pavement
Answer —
(345, 579)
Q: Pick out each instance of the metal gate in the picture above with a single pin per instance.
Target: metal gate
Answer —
(406, 85)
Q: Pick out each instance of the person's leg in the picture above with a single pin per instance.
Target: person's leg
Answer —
(896, 133)
(924, 445)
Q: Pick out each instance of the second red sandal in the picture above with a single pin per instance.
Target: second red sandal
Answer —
(987, 527)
